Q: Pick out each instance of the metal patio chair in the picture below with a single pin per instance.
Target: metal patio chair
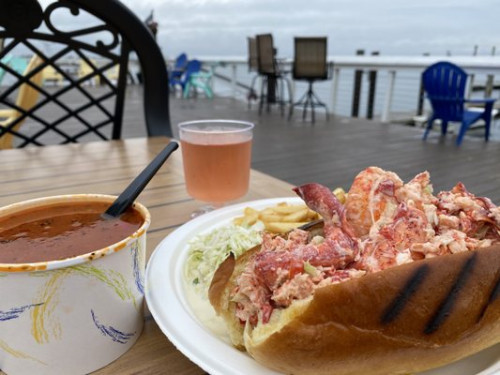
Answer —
(111, 34)
(444, 84)
(253, 66)
(310, 64)
(274, 77)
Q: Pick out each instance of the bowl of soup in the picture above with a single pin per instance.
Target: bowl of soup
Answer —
(71, 284)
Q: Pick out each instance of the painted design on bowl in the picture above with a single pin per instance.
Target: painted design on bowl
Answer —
(138, 265)
(113, 333)
(16, 312)
(17, 353)
(44, 324)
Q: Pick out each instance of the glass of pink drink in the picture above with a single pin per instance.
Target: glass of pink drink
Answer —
(216, 156)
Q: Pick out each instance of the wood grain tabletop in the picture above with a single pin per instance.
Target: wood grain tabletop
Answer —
(107, 168)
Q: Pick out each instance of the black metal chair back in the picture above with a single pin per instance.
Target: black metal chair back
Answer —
(110, 34)
(310, 58)
(265, 52)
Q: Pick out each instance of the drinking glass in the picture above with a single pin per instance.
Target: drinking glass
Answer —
(216, 156)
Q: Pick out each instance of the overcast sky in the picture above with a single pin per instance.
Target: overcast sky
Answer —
(220, 27)
(393, 27)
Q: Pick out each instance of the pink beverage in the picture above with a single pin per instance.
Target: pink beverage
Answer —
(216, 159)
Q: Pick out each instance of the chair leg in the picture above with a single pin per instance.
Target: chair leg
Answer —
(444, 127)
(290, 112)
(251, 92)
(429, 127)
(487, 120)
(185, 91)
(262, 96)
(463, 129)
(319, 103)
(280, 86)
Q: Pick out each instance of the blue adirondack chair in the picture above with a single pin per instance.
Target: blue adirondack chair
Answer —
(193, 77)
(444, 84)
(178, 69)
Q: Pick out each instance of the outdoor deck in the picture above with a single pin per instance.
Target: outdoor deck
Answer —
(333, 152)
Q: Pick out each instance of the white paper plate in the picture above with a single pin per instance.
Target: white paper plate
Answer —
(169, 305)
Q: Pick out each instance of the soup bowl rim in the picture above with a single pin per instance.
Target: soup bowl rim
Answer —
(78, 259)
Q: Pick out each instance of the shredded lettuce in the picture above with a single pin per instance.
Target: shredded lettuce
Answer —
(207, 251)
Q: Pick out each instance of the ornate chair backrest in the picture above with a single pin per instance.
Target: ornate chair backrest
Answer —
(444, 84)
(310, 58)
(105, 32)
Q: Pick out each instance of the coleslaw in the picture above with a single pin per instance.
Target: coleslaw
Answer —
(207, 251)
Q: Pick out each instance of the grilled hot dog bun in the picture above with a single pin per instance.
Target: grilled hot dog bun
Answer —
(400, 320)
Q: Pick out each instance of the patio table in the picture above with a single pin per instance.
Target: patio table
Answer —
(107, 168)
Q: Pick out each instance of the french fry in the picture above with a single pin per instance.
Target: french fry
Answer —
(296, 216)
(289, 209)
(270, 217)
(282, 227)
(281, 218)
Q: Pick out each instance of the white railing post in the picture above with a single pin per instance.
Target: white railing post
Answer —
(388, 96)
(335, 89)
(234, 69)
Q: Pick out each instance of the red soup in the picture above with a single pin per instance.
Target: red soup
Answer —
(62, 230)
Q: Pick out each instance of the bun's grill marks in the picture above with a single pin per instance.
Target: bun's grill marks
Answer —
(446, 307)
(410, 288)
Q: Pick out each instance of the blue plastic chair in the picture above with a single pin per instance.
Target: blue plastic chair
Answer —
(178, 70)
(444, 84)
(193, 66)
(197, 79)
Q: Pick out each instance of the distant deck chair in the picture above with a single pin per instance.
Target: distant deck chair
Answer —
(178, 69)
(26, 100)
(444, 84)
(274, 78)
(194, 78)
(310, 64)
(113, 34)
(253, 66)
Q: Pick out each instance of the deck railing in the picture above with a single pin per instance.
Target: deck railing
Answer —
(396, 74)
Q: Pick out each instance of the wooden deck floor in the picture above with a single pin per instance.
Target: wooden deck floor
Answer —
(333, 152)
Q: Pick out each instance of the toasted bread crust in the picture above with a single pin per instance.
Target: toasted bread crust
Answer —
(404, 319)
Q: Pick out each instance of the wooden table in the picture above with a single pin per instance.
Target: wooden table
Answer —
(107, 168)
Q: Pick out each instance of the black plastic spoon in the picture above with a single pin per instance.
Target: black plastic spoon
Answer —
(128, 196)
